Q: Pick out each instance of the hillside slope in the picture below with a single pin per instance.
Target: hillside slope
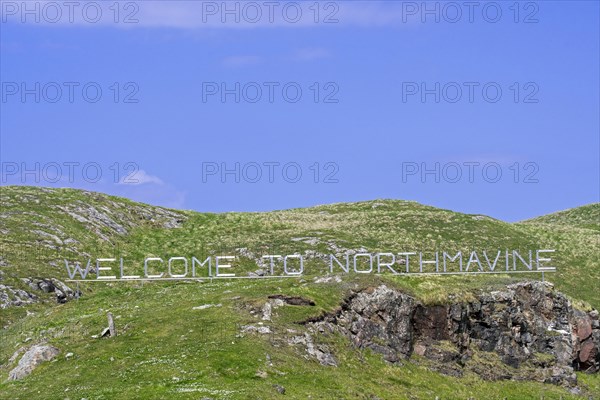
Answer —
(41, 227)
(587, 217)
(204, 340)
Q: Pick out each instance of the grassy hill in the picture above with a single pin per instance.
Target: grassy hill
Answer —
(168, 349)
(587, 217)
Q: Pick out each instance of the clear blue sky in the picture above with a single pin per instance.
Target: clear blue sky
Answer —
(371, 58)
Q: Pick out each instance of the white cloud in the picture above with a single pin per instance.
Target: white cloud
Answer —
(163, 195)
(140, 177)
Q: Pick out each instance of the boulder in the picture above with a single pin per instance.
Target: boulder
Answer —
(280, 389)
(46, 285)
(266, 311)
(584, 328)
(31, 359)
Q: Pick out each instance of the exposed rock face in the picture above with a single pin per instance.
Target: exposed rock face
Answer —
(379, 319)
(14, 297)
(10, 296)
(103, 219)
(528, 326)
(31, 359)
(319, 351)
(51, 285)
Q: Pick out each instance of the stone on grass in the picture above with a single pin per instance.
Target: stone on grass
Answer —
(31, 359)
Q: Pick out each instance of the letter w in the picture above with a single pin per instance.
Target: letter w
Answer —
(77, 269)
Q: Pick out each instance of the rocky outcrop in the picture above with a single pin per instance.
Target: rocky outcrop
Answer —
(528, 326)
(102, 218)
(379, 319)
(52, 285)
(10, 297)
(14, 297)
(31, 359)
(319, 351)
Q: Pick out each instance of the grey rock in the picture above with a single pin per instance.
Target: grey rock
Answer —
(31, 359)
(313, 241)
(111, 325)
(13, 297)
(292, 300)
(46, 286)
(16, 354)
(258, 273)
(377, 316)
(280, 389)
(102, 217)
(517, 324)
(320, 352)
(266, 312)
(263, 330)
(54, 238)
(261, 374)
(327, 279)
(206, 306)
(63, 292)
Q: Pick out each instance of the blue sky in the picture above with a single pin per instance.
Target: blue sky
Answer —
(366, 132)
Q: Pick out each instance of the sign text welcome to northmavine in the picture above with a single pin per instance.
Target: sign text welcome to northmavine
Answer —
(155, 268)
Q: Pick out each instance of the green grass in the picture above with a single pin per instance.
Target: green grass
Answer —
(167, 350)
(587, 217)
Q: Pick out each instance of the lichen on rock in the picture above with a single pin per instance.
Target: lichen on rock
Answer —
(31, 359)
(531, 329)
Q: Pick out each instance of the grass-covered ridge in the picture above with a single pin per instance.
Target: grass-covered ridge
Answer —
(587, 217)
(165, 349)
(40, 227)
